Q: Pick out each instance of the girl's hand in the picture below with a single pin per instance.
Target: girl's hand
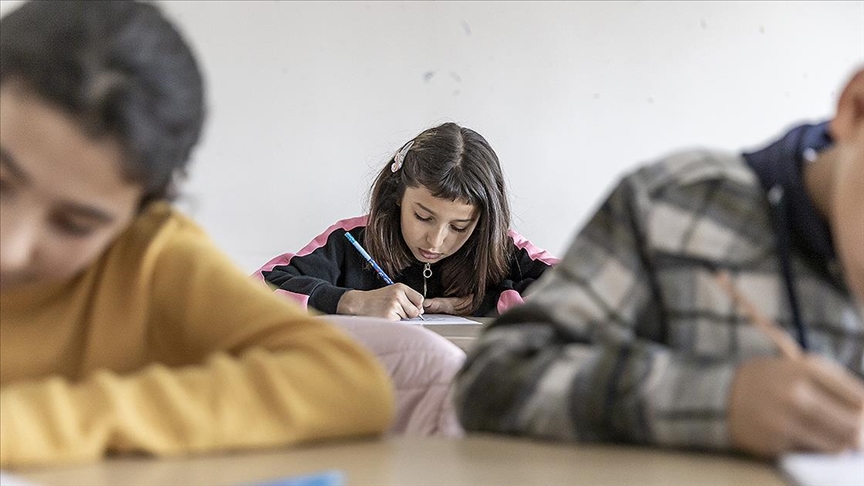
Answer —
(394, 302)
(456, 306)
(779, 405)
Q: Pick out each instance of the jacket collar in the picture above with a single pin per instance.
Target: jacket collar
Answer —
(781, 164)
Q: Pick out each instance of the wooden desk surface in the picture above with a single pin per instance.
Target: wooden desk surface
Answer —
(405, 461)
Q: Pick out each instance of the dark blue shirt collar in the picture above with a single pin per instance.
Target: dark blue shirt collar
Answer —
(781, 163)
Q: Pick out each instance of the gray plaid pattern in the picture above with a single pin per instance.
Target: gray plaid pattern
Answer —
(630, 338)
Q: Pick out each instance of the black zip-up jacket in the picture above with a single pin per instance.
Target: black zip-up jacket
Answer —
(319, 274)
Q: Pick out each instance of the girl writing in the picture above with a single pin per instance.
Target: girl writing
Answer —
(438, 225)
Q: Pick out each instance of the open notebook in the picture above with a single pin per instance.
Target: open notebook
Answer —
(845, 469)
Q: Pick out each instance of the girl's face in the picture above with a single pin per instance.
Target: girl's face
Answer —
(435, 228)
(63, 199)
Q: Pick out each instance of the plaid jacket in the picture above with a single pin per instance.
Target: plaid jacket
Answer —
(630, 338)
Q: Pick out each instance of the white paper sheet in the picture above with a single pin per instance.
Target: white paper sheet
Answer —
(440, 319)
(845, 469)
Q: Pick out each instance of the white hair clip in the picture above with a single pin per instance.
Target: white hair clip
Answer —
(400, 157)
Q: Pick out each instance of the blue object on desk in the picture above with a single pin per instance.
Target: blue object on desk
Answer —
(326, 478)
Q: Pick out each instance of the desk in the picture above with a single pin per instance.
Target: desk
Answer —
(405, 461)
(462, 335)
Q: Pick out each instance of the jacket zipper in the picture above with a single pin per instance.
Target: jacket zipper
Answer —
(427, 273)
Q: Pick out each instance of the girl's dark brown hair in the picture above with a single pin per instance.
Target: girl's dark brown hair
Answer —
(457, 164)
(122, 70)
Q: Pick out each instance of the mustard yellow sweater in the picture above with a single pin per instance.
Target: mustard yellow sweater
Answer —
(164, 346)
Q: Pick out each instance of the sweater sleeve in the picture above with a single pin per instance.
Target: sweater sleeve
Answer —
(312, 276)
(585, 359)
(234, 367)
(528, 264)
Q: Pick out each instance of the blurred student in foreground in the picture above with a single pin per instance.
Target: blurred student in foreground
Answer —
(123, 327)
(631, 338)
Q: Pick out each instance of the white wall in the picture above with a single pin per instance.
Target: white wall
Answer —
(308, 100)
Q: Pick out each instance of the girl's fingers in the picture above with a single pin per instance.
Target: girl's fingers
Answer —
(410, 311)
(394, 310)
(446, 305)
(408, 307)
(434, 306)
(430, 306)
(416, 298)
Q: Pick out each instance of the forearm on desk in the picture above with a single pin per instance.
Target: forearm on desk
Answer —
(524, 379)
(257, 400)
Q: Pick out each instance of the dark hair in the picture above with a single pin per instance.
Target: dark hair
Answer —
(454, 163)
(118, 67)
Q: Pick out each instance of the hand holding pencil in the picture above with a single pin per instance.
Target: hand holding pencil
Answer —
(395, 301)
(799, 401)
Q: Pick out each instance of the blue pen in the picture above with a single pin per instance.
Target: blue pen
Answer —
(372, 262)
(369, 259)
